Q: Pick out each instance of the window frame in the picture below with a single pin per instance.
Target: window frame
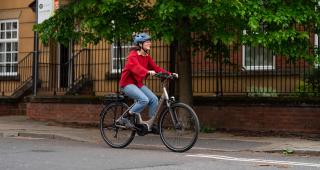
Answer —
(114, 48)
(256, 68)
(11, 40)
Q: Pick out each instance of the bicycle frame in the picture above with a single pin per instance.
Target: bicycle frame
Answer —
(164, 99)
(171, 133)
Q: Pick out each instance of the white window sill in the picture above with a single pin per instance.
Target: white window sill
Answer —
(258, 68)
(8, 74)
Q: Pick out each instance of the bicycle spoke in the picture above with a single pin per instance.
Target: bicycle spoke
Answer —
(179, 133)
(115, 135)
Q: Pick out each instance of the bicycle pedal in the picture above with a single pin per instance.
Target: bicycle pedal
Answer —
(142, 129)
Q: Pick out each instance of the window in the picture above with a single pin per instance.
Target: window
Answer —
(8, 47)
(257, 58)
(115, 62)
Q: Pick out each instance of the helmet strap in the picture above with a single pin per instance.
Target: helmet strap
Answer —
(141, 48)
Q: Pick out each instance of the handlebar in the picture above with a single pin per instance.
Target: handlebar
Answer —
(166, 76)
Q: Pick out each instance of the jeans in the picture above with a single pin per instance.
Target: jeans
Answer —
(143, 96)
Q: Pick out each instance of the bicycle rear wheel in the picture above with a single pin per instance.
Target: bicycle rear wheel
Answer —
(182, 135)
(114, 135)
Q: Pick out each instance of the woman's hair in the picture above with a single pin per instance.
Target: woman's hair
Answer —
(134, 48)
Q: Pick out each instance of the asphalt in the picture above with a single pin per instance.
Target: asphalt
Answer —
(13, 126)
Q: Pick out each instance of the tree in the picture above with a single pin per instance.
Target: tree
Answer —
(279, 25)
(93, 20)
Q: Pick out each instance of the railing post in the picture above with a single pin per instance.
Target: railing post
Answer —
(172, 66)
(88, 58)
(73, 69)
(119, 64)
(35, 56)
(219, 70)
(35, 64)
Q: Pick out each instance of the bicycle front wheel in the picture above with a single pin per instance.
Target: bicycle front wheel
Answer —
(179, 127)
(114, 135)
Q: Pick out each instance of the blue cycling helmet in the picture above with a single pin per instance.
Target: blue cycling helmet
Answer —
(140, 38)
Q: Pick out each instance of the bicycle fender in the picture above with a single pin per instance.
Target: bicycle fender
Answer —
(107, 107)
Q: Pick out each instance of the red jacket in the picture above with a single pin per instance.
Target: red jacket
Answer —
(136, 69)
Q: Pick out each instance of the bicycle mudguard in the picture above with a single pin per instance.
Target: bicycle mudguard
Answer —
(110, 98)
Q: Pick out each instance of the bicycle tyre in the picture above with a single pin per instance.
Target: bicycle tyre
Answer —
(115, 136)
(168, 132)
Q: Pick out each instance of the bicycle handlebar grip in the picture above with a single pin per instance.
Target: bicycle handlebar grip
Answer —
(174, 76)
(166, 75)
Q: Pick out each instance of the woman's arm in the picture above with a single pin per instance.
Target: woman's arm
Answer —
(153, 66)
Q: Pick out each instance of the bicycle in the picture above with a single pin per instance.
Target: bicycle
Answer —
(178, 124)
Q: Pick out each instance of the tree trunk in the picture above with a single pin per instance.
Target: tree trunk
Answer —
(184, 66)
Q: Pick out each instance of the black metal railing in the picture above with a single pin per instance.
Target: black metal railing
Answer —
(15, 76)
(248, 71)
(79, 64)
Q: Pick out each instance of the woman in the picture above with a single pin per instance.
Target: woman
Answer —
(138, 66)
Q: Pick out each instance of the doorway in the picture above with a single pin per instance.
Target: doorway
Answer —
(64, 58)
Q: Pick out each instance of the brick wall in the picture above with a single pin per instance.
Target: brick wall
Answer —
(12, 107)
(261, 118)
(65, 113)
(265, 116)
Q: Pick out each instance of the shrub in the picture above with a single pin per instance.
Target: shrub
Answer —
(311, 84)
(262, 92)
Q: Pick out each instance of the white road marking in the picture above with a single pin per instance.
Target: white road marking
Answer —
(221, 157)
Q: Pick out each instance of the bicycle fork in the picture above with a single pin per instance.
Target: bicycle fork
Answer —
(174, 118)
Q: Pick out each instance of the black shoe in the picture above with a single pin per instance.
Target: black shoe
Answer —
(125, 121)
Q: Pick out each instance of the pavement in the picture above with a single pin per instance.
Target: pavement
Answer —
(21, 126)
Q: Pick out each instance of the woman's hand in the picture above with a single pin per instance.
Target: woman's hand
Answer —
(151, 72)
(175, 75)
